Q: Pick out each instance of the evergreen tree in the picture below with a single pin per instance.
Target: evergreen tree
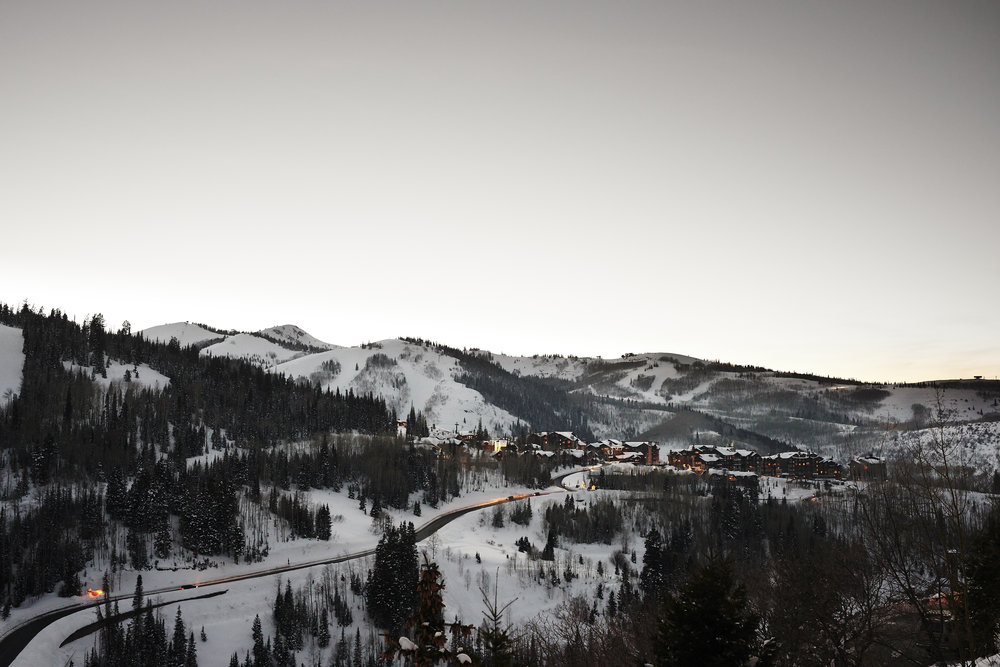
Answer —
(707, 622)
(260, 653)
(358, 655)
(651, 578)
(178, 646)
(498, 644)
(548, 552)
(323, 632)
(391, 589)
(191, 655)
(341, 652)
(137, 597)
(162, 541)
(427, 623)
(324, 523)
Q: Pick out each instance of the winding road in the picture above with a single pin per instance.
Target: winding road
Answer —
(14, 641)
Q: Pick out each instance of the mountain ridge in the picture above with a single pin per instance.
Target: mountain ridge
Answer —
(637, 395)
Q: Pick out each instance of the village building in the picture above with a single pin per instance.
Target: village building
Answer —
(796, 464)
(609, 448)
(745, 479)
(494, 446)
(868, 468)
(646, 452)
(555, 440)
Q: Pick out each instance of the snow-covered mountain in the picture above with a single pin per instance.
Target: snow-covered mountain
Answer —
(660, 396)
(406, 374)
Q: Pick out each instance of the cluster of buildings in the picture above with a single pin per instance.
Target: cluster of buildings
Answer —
(646, 453)
(795, 464)
(700, 459)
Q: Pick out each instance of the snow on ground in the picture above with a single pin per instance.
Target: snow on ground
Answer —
(140, 374)
(227, 618)
(789, 489)
(185, 333)
(11, 361)
(503, 566)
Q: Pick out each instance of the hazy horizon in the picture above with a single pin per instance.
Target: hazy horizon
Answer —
(808, 187)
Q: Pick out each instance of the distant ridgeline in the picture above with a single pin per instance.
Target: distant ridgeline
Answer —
(247, 403)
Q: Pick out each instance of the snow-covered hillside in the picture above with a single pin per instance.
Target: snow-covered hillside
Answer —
(405, 374)
(251, 348)
(975, 445)
(544, 366)
(264, 348)
(186, 333)
(294, 336)
(11, 361)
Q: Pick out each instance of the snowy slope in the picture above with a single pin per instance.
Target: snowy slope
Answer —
(139, 374)
(286, 342)
(976, 445)
(956, 404)
(404, 374)
(11, 361)
(295, 337)
(544, 366)
(251, 348)
(185, 333)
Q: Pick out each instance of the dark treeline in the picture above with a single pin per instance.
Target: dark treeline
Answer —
(375, 469)
(64, 431)
(242, 401)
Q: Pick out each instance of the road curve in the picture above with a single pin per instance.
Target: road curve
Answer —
(15, 640)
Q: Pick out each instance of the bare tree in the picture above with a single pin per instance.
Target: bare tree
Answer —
(918, 530)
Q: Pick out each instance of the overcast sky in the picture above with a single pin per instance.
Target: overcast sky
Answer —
(806, 186)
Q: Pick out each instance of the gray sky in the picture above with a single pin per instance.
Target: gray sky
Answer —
(807, 186)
